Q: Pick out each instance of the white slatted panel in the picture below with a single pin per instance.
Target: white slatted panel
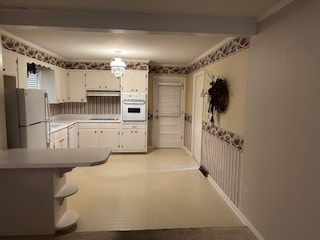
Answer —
(224, 163)
(169, 100)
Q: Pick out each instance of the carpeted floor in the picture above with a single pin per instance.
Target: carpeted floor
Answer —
(227, 233)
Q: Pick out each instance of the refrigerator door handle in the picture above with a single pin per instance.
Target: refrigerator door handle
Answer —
(48, 121)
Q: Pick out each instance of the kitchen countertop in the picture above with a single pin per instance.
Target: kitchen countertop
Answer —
(52, 158)
(61, 121)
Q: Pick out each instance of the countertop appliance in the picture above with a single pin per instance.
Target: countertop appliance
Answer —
(134, 107)
(27, 118)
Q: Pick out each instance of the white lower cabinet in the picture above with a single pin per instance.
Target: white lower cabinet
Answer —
(117, 137)
(109, 137)
(99, 135)
(133, 138)
(59, 139)
(88, 138)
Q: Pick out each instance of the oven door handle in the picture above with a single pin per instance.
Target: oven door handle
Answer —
(134, 103)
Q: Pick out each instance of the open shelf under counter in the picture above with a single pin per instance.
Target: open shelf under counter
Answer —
(67, 190)
(68, 219)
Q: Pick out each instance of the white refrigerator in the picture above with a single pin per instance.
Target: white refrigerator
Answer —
(27, 118)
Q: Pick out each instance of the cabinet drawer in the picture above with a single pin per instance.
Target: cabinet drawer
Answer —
(134, 126)
(110, 125)
(88, 125)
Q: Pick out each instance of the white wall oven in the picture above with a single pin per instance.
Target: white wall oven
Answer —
(134, 107)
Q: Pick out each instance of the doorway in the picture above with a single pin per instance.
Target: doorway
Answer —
(168, 112)
(198, 83)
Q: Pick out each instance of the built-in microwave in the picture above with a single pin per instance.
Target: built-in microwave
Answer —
(134, 107)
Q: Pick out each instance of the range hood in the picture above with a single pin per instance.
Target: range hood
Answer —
(102, 93)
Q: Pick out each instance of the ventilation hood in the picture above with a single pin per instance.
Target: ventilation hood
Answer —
(102, 93)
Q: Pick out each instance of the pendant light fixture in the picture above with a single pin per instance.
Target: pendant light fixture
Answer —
(118, 67)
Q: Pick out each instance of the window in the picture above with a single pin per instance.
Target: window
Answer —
(33, 81)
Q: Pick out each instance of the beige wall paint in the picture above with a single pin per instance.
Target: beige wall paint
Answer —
(3, 136)
(235, 71)
(281, 168)
(189, 94)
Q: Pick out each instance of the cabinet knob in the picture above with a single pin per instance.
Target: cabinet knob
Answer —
(136, 89)
(131, 131)
(95, 131)
(101, 131)
(132, 90)
(4, 69)
(135, 131)
(99, 86)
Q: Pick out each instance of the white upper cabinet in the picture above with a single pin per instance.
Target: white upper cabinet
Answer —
(64, 86)
(112, 83)
(58, 84)
(101, 80)
(10, 60)
(95, 79)
(51, 83)
(77, 86)
(134, 81)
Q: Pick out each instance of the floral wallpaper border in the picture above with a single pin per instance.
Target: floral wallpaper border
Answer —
(226, 50)
(232, 47)
(226, 136)
(231, 138)
(169, 70)
(18, 47)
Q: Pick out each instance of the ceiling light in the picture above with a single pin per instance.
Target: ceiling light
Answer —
(118, 67)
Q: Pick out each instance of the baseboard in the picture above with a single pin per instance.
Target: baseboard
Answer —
(236, 210)
(187, 150)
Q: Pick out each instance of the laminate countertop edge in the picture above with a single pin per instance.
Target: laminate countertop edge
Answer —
(53, 158)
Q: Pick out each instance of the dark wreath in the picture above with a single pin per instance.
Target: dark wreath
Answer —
(219, 94)
(31, 68)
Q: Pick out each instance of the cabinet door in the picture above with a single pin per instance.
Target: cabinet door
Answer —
(22, 71)
(57, 143)
(95, 79)
(64, 141)
(140, 139)
(109, 138)
(127, 81)
(140, 81)
(9, 63)
(64, 86)
(127, 140)
(77, 89)
(112, 83)
(88, 138)
(58, 84)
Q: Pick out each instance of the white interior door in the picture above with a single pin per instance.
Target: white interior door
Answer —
(197, 116)
(168, 112)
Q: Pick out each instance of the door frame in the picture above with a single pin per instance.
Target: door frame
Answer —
(193, 107)
(183, 100)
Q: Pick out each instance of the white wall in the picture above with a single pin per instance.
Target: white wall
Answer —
(281, 169)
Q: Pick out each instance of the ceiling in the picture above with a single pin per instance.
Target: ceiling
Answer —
(159, 48)
(224, 8)
(165, 32)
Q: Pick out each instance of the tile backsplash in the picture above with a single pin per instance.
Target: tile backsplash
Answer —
(94, 105)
